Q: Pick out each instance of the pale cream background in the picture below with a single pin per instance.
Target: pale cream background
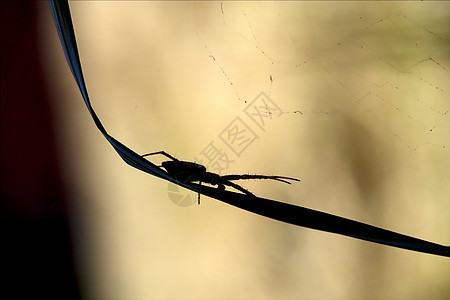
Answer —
(368, 93)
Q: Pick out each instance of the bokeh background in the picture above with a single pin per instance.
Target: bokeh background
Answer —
(364, 90)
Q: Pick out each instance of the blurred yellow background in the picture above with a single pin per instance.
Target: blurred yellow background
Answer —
(364, 90)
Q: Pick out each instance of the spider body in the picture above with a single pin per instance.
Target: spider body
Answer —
(187, 172)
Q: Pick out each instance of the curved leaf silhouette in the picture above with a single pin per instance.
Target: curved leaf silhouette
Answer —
(280, 211)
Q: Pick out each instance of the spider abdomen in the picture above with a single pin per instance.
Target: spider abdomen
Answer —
(184, 171)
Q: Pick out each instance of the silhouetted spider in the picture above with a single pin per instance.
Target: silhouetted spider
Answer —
(186, 172)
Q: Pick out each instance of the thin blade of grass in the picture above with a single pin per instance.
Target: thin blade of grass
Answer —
(276, 210)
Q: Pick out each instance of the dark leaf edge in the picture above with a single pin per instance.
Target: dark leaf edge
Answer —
(280, 211)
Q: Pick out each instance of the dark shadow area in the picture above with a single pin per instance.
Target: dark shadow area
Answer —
(37, 250)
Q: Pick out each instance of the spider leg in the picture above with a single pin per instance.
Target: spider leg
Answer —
(250, 176)
(162, 153)
(236, 186)
(198, 199)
